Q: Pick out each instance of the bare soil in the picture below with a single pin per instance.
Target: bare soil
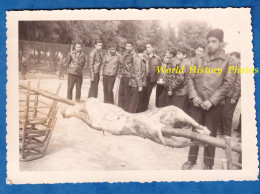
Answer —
(74, 146)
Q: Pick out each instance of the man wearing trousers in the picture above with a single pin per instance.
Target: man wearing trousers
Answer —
(95, 60)
(76, 61)
(207, 92)
(179, 82)
(125, 73)
(110, 65)
(137, 80)
(154, 61)
(231, 99)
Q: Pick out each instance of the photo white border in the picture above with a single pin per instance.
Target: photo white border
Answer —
(249, 146)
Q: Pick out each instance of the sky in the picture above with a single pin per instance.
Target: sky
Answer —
(225, 19)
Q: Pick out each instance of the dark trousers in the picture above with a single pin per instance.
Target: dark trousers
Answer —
(147, 94)
(124, 93)
(72, 80)
(159, 91)
(239, 125)
(228, 112)
(108, 85)
(181, 102)
(164, 98)
(141, 108)
(209, 119)
(93, 90)
(134, 100)
(61, 71)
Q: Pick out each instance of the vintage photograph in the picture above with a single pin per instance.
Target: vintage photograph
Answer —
(125, 92)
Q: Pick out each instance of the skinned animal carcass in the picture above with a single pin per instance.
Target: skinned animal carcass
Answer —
(114, 120)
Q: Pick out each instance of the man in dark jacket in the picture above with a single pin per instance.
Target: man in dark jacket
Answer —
(169, 61)
(154, 61)
(125, 73)
(231, 99)
(76, 61)
(137, 80)
(207, 92)
(178, 83)
(95, 60)
(110, 65)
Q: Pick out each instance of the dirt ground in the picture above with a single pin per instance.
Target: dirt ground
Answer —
(75, 147)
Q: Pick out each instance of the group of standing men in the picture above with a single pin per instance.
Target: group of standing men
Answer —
(210, 99)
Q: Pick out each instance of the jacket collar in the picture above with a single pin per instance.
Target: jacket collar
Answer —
(131, 53)
(75, 53)
(220, 55)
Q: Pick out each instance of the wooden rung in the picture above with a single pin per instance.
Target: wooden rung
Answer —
(21, 100)
(40, 101)
(36, 131)
(33, 107)
(34, 145)
(24, 110)
(35, 135)
(42, 112)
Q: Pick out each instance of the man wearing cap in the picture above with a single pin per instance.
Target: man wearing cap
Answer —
(76, 61)
(207, 92)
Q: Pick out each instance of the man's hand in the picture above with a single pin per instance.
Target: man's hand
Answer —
(101, 78)
(233, 101)
(197, 101)
(92, 79)
(206, 105)
(140, 89)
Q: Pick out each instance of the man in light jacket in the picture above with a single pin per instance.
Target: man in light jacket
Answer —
(207, 92)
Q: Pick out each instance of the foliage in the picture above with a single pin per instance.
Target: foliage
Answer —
(189, 33)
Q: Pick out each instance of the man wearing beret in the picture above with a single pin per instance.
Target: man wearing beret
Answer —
(207, 92)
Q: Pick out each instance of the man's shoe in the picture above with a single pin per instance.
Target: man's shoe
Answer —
(188, 165)
(207, 167)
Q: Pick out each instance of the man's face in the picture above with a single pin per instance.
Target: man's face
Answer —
(98, 46)
(235, 58)
(149, 48)
(129, 47)
(168, 55)
(78, 47)
(112, 50)
(213, 44)
(23, 59)
(180, 56)
(199, 51)
(166, 59)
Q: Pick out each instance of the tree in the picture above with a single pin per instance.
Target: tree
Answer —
(191, 34)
